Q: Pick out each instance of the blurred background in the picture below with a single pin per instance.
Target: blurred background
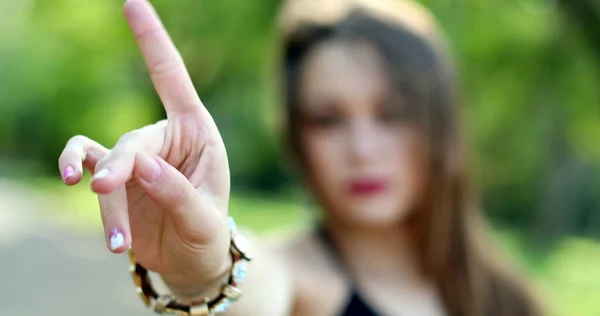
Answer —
(530, 77)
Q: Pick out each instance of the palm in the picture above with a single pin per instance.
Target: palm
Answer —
(206, 167)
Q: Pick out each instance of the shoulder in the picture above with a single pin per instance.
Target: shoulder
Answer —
(303, 252)
(319, 286)
(300, 248)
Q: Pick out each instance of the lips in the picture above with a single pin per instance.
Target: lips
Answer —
(367, 187)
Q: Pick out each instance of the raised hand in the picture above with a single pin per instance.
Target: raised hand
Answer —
(163, 189)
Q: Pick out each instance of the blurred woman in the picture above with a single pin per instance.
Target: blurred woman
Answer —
(373, 126)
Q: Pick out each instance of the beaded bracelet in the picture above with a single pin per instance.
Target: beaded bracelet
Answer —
(167, 304)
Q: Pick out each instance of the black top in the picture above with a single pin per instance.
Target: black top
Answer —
(356, 305)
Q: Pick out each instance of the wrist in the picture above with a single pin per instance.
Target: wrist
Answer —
(190, 291)
(194, 292)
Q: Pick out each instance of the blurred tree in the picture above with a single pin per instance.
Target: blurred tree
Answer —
(585, 14)
(531, 93)
(529, 74)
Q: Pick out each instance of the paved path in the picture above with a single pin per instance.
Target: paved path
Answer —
(47, 270)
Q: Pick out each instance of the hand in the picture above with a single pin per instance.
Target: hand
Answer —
(163, 189)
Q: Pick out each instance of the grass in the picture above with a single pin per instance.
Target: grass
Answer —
(569, 277)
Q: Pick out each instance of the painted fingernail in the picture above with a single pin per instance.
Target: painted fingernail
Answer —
(68, 172)
(149, 168)
(101, 174)
(116, 239)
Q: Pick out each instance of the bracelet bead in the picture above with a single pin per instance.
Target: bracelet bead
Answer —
(168, 304)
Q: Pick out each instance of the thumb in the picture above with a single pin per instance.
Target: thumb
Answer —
(194, 214)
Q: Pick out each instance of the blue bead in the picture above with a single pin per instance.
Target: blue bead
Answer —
(239, 272)
(222, 306)
(232, 224)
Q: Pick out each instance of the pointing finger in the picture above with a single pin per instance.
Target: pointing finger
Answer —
(165, 65)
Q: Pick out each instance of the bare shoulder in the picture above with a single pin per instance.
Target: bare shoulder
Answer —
(320, 289)
(303, 253)
(301, 248)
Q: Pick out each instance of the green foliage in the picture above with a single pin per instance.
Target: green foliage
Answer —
(530, 85)
(529, 80)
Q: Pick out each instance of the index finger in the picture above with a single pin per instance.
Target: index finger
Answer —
(165, 65)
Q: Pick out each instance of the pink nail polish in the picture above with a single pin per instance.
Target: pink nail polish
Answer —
(68, 172)
(116, 239)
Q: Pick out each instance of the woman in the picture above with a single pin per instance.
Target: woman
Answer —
(373, 125)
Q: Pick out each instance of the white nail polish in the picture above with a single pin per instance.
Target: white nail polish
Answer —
(101, 174)
(116, 241)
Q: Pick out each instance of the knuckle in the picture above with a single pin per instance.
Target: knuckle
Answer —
(109, 210)
(129, 136)
(164, 66)
(100, 165)
(77, 140)
(76, 146)
(149, 34)
(106, 211)
(104, 161)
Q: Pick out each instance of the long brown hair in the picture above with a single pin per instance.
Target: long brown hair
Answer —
(448, 227)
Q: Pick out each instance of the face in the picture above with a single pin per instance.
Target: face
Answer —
(362, 151)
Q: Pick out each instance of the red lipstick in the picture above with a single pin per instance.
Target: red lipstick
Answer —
(366, 187)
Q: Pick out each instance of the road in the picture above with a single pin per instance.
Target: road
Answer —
(47, 269)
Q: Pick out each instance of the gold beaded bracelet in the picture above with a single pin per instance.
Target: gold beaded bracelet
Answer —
(168, 304)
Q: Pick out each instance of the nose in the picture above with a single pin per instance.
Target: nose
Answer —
(363, 141)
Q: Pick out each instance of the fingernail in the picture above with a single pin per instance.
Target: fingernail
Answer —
(68, 172)
(101, 174)
(149, 169)
(117, 240)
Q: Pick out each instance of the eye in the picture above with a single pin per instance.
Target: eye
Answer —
(322, 114)
(327, 120)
